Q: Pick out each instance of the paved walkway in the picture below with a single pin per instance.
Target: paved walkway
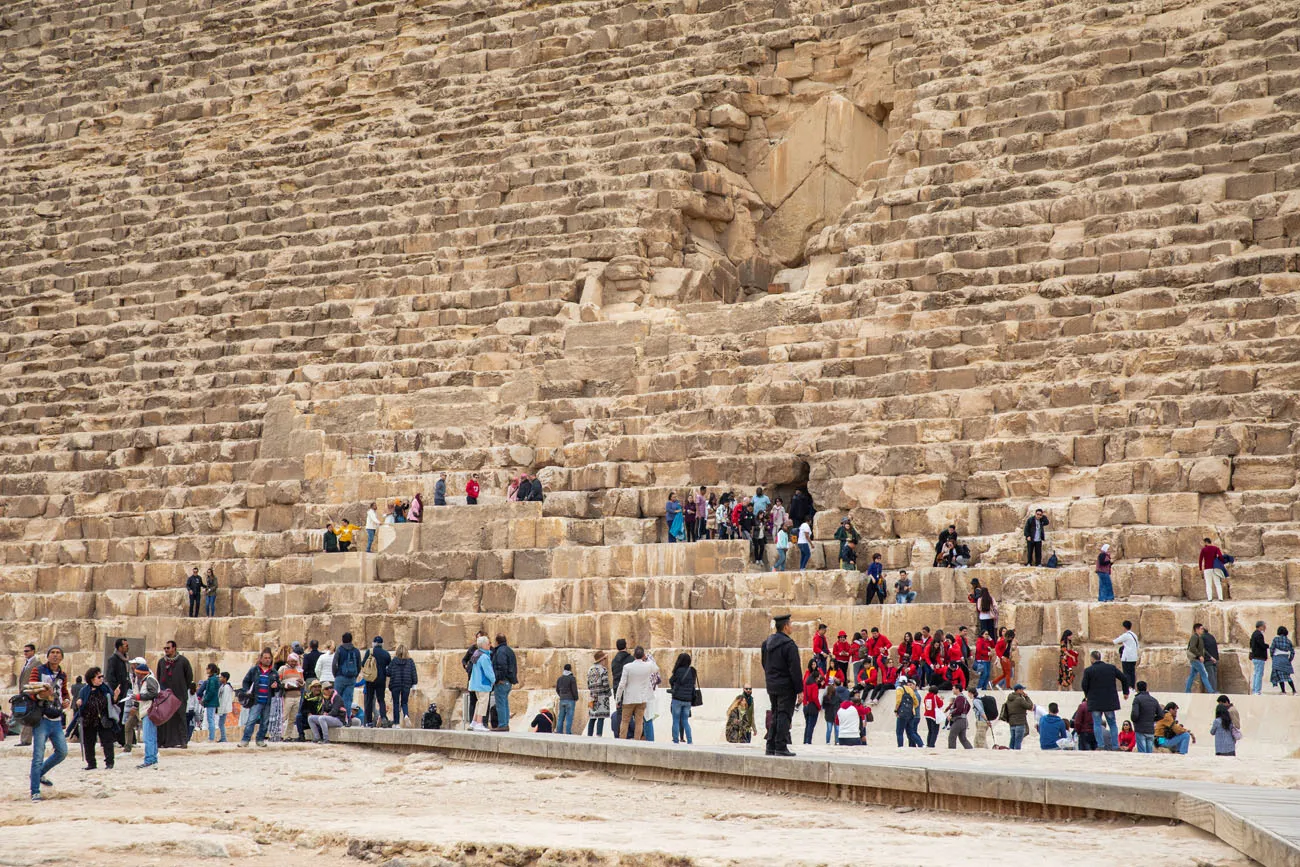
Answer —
(1262, 823)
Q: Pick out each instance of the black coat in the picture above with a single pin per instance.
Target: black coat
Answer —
(504, 664)
(118, 673)
(309, 660)
(1211, 646)
(682, 683)
(382, 659)
(1098, 685)
(1029, 534)
(402, 674)
(1258, 645)
(621, 659)
(781, 668)
(524, 491)
(1146, 710)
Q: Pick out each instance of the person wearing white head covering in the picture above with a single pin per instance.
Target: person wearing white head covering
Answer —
(1105, 592)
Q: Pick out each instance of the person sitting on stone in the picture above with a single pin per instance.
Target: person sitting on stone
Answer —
(903, 592)
(1171, 735)
(948, 535)
(523, 488)
(535, 493)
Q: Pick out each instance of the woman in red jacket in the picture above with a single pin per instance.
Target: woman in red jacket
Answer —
(886, 676)
(811, 698)
(841, 655)
(905, 649)
(1002, 650)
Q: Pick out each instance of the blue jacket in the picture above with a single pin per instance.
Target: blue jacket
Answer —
(1050, 730)
(482, 676)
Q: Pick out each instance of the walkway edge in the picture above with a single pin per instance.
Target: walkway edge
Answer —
(1261, 823)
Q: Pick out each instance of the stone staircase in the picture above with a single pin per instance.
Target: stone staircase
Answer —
(1054, 263)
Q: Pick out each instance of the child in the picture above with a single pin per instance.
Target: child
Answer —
(849, 555)
(210, 701)
(225, 703)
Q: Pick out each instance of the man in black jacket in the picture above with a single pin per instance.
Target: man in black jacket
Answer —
(310, 659)
(1258, 656)
(1211, 658)
(784, 680)
(507, 671)
(1035, 536)
(1098, 685)
(1146, 711)
(621, 659)
(378, 689)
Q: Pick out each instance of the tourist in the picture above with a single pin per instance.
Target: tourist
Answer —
(1146, 712)
(1053, 733)
(1172, 735)
(176, 674)
(784, 678)
(1084, 728)
(986, 613)
(599, 693)
(227, 706)
(810, 699)
(1129, 651)
(194, 586)
(416, 512)
(758, 539)
(324, 667)
(782, 546)
(1016, 710)
(883, 677)
(945, 537)
(1098, 686)
(739, 726)
(25, 676)
(652, 704)
(1196, 656)
(849, 556)
(1035, 536)
(48, 685)
(566, 692)
(1226, 727)
(846, 532)
(482, 677)
(1258, 658)
(1105, 589)
(986, 711)
(681, 685)
(673, 518)
(903, 592)
(472, 490)
(876, 588)
(805, 544)
(506, 669)
(292, 681)
(346, 529)
(1067, 662)
(722, 517)
(345, 667)
(931, 707)
(702, 506)
(821, 649)
(841, 655)
(310, 659)
(210, 586)
(1211, 658)
(99, 717)
(621, 659)
(956, 711)
(402, 678)
(147, 688)
(801, 510)
(260, 685)
(635, 691)
(1283, 654)
(543, 723)
(390, 515)
(1211, 563)
(906, 705)
(334, 714)
(848, 725)
(372, 525)
(780, 517)
(210, 696)
(440, 490)
(1002, 649)
(834, 695)
(1127, 737)
(376, 681)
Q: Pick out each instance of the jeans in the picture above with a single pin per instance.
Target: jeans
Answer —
(345, 686)
(1105, 590)
(832, 729)
(805, 552)
(779, 565)
(210, 604)
(648, 730)
(1018, 736)
(375, 693)
(320, 725)
(259, 716)
(370, 540)
(1257, 677)
(564, 724)
(401, 703)
(905, 597)
(47, 730)
(985, 669)
(213, 717)
(810, 714)
(1212, 669)
(1198, 670)
(149, 734)
(906, 725)
(616, 722)
(1178, 743)
(596, 726)
(1145, 743)
(1111, 739)
(931, 732)
(502, 692)
(681, 711)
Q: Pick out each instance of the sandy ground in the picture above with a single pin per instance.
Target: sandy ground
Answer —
(291, 804)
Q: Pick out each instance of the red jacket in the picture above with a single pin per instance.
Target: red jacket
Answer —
(887, 674)
(878, 645)
(471, 489)
(811, 691)
(932, 704)
(957, 677)
(819, 645)
(983, 645)
(1208, 553)
(1000, 649)
(843, 651)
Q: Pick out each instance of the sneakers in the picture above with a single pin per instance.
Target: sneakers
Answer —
(147, 765)
(478, 727)
(261, 743)
(242, 744)
(45, 781)
(36, 796)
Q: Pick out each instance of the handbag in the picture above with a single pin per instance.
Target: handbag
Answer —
(697, 694)
(163, 707)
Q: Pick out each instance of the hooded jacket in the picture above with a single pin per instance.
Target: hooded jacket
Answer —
(1146, 711)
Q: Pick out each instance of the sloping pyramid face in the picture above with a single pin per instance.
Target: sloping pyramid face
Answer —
(940, 263)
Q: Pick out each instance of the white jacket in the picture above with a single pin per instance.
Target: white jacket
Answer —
(637, 684)
(225, 699)
(372, 520)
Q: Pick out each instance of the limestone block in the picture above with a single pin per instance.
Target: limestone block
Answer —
(1150, 579)
(1210, 475)
(1262, 474)
(1120, 510)
(1165, 625)
(1105, 620)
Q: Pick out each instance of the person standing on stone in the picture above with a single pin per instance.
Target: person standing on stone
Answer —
(1098, 686)
(783, 676)
(29, 663)
(346, 666)
(805, 544)
(673, 518)
(194, 586)
(681, 686)
(1283, 653)
(440, 490)
(331, 539)
(416, 513)
(472, 490)
(1129, 651)
(635, 691)
(876, 587)
(506, 669)
(176, 674)
(48, 684)
(402, 678)
(1258, 657)
(481, 679)
(1067, 663)
(1016, 709)
(599, 692)
(309, 660)
(1196, 657)
(1210, 562)
(1105, 589)
(376, 686)
(1211, 658)
(1035, 536)
(566, 691)
(372, 526)
(621, 658)
(782, 547)
(1145, 713)
(210, 592)
(701, 514)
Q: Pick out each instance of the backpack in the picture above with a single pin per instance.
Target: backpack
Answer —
(348, 667)
(26, 709)
(1053, 562)
(369, 668)
(906, 703)
(990, 707)
(432, 719)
